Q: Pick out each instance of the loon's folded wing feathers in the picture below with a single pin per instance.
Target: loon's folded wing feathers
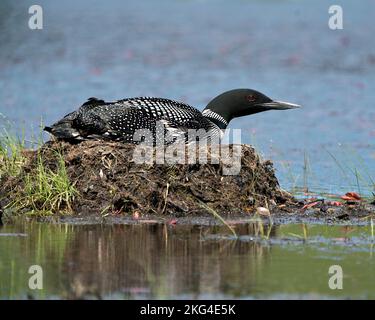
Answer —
(144, 112)
(138, 111)
(119, 120)
(158, 104)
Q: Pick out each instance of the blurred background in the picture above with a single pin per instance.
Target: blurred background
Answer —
(192, 50)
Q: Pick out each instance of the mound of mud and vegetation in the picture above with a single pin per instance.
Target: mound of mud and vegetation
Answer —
(101, 178)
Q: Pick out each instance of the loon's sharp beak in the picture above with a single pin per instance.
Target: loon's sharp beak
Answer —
(279, 105)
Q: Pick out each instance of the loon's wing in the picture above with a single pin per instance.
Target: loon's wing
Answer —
(126, 116)
(176, 117)
(160, 108)
(120, 119)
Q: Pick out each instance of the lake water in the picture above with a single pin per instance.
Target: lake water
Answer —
(157, 261)
(192, 51)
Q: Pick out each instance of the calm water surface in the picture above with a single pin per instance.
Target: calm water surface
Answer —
(195, 262)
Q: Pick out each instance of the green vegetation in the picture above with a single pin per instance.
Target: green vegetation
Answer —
(41, 190)
(11, 155)
(46, 191)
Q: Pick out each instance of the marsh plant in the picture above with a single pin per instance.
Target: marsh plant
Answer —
(41, 189)
(47, 191)
(11, 155)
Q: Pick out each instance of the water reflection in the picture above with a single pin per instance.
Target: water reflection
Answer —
(159, 261)
(164, 261)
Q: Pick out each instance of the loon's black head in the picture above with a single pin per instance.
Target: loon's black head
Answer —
(244, 102)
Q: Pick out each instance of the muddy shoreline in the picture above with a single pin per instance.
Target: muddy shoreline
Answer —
(207, 221)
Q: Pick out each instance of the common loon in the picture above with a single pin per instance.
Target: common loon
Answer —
(118, 120)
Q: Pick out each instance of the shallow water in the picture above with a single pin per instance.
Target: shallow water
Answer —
(196, 262)
(193, 50)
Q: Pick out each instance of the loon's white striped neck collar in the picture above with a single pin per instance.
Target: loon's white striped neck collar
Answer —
(215, 118)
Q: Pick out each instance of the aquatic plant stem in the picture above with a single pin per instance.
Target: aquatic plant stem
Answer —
(218, 216)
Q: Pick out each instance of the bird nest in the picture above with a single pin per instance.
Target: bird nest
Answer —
(108, 180)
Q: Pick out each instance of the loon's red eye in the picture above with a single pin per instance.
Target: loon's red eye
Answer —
(251, 97)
